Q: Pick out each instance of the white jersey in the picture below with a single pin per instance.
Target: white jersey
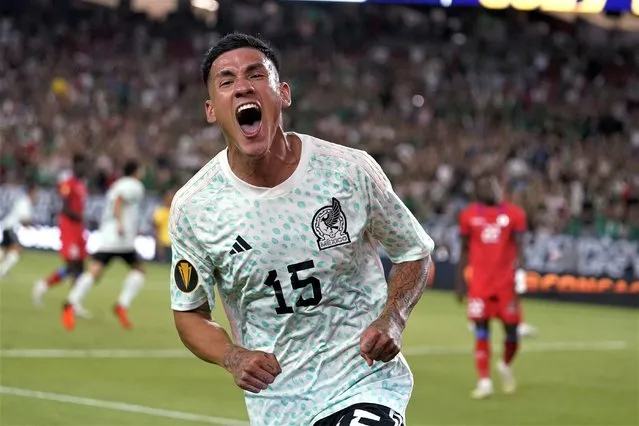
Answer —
(298, 275)
(131, 190)
(21, 212)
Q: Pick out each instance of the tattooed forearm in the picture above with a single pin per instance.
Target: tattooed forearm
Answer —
(406, 285)
(201, 335)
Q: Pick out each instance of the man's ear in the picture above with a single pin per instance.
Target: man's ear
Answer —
(285, 95)
(210, 112)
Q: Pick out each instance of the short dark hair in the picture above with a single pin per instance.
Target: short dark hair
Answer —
(79, 158)
(235, 41)
(31, 183)
(130, 167)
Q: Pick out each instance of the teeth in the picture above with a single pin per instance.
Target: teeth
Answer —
(247, 106)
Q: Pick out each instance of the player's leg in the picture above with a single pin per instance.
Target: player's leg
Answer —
(363, 415)
(484, 386)
(131, 287)
(480, 310)
(73, 253)
(41, 287)
(527, 330)
(510, 315)
(83, 285)
(7, 241)
(524, 329)
(10, 259)
(73, 269)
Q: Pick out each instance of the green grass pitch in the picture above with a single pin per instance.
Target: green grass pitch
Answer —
(583, 368)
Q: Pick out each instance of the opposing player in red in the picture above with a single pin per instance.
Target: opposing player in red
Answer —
(492, 246)
(73, 192)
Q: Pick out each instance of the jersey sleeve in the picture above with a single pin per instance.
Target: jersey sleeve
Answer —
(192, 277)
(520, 221)
(464, 225)
(390, 222)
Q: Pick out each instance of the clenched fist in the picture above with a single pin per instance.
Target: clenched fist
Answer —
(381, 341)
(252, 371)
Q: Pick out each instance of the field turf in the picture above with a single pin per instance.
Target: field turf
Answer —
(582, 369)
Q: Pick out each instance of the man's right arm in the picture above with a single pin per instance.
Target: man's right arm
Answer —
(202, 335)
(191, 290)
(460, 281)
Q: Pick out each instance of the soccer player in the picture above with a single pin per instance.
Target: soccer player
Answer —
(285, 224)
(20, 214)
(73, 192)
(492, 238)
(118, 229)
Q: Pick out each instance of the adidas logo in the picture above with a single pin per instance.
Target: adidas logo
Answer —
(240, 246)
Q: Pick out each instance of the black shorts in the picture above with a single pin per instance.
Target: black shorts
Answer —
(9, 238)
(364, 415)
(105, 257)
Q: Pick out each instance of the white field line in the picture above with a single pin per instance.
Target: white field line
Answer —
(121, 406)
(410, 351)
(525, 347)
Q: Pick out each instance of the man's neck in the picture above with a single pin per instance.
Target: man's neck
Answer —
(273, 168)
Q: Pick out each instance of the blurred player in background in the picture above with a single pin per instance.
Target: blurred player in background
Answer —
(286, 225)
(161, 222)
(117, 233)
(21, 214)
(492, 245)
(73, 192)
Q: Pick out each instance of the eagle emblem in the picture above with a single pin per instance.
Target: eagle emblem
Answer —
(329, 226)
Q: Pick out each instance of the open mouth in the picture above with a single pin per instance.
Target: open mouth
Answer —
(249, 117)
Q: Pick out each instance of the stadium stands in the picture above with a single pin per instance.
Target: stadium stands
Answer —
(435, 95)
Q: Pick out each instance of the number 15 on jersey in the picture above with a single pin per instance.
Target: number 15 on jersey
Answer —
(297, 283)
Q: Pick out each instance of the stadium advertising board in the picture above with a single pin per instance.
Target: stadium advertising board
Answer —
(558, 6)
(44, 235)
(559, 266)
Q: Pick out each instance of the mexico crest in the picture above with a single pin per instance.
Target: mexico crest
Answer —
(329, 226)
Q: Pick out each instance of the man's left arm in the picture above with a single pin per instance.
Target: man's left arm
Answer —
(382, 340)
(520, 227)
(409, 248)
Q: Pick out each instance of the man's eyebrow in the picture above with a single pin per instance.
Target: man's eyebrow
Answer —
(224, 73)
(249, 68)
(255, 66)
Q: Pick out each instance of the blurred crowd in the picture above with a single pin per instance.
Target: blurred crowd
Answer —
(436, 95)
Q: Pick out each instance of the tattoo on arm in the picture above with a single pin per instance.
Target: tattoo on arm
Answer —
(407, 282)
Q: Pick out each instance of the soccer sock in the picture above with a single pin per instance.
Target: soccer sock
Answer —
(482, 358)
(81, 288)
(9, 262)
(133, 283)
(511, 344)
(56, 277)
(482, 351)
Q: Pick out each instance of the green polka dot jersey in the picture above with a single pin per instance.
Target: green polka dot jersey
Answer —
(298, 274)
